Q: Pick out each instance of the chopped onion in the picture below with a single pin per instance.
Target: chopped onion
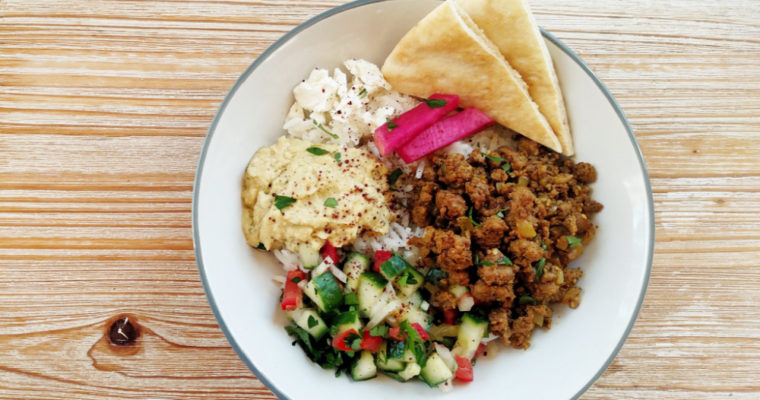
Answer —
(491, 337)
(424, 305)
(302, 284)
(339, 275)
(446, 356)
(383, 313)
(420, 170)
(465, 303)
(321, 268)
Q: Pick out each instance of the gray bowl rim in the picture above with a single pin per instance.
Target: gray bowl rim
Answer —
(337, 10)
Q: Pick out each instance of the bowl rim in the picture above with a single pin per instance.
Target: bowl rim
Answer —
(359, 3)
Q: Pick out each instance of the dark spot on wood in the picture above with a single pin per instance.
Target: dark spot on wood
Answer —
(695, 151)
(123, 331)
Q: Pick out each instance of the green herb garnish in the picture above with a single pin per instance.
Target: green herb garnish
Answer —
(543, 245)
(469, 215)
(261, 246)
(435, 103)
(500, 214)
(323, 129)
(296, 279)
(393, 176)
(573, 241)
(494, 158)
(504, 261)
(282, 202)
(540, 268)
(336, 156)
(434, 276)
(363, 92)
(317, 151)
(506, 167)
(311, 322)
(391, 125)
(485, 262)
(331, 202)
(523, 300)
(395, 349)
(379, 330)
(414, 342)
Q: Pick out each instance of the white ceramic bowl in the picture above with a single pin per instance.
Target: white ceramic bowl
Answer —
(561, 362)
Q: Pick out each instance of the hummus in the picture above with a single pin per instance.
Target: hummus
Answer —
(325, 192)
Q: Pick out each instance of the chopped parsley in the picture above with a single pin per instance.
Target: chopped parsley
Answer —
(500, 214)
(406, 279)
(296, 279)
(363, 92)
(507, 168)
(573, 241)
(336, 156)
(393, 176)
(504, 261)
(331, 202)
(311, 322)
(323, 129)
(435, 103)
(434, 276)
(282, 202)
(261, 246)
(525, 299)
(391, 125)
(317, 151)
(543, 245)
(414, 342)
(379, 330)
(469, 215)
(483, 262)
(494, 158)
(540, 268)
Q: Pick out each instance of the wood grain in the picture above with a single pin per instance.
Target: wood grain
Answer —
(103, 109)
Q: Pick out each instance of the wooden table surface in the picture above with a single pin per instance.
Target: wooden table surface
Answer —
(104, 106)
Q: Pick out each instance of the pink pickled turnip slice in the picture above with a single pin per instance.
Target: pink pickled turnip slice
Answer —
(412, 122)
(443, 133)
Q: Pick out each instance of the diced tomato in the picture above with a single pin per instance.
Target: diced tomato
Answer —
(480, 351)
(420, 331)
(464, 369)
(291, 294)
(449, 316)
(381, 256)
(371, 343)
(395, 333)
(328, 250)
(339, 341)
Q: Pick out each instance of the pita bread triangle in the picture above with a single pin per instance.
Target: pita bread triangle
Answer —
(510, 25)
(447, 53)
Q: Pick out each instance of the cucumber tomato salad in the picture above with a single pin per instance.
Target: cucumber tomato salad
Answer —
(377, 322)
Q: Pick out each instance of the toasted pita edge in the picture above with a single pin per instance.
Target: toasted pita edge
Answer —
(408, 73)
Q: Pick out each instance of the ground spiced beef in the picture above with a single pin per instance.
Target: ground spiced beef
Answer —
(505, 223)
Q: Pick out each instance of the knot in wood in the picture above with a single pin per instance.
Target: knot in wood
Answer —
(122, 332)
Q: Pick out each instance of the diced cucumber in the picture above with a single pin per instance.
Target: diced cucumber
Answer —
(364, 367)
(324, 291)
(369, 291)
(435, 371)
(385, 363)
(309, 256)
(414, 299)
(458, 290)
(409, 281)
(394, 266)
(396, 350)
(355, 265)
(408, 356)
(438, 332)
(310, 321)
(411, 370)
(411, 313)
(471, 331)
(347, 321)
